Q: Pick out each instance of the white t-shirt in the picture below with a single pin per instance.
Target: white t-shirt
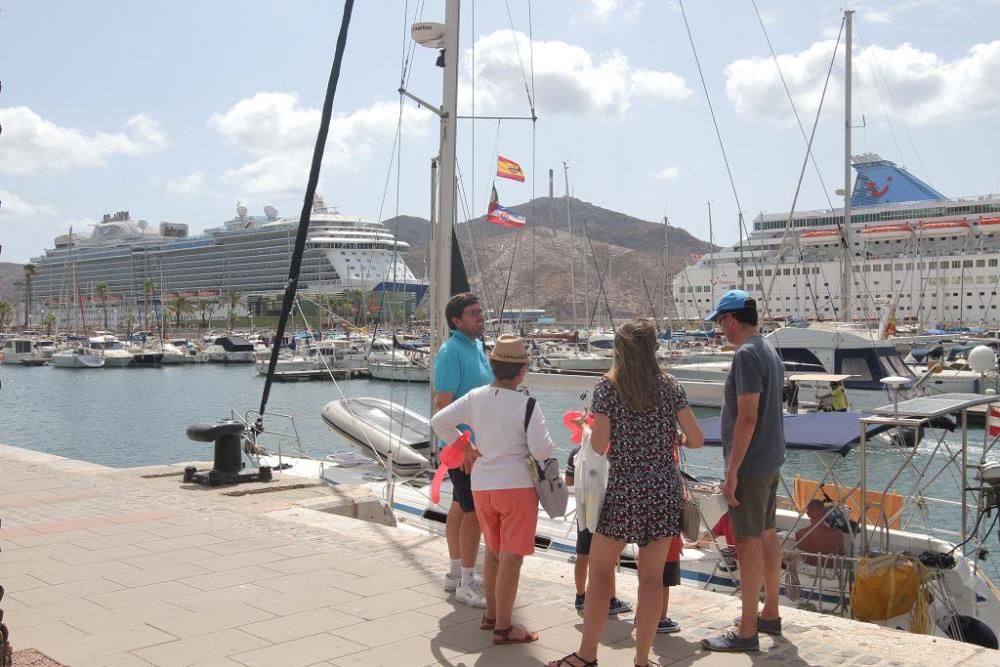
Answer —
(497, 419)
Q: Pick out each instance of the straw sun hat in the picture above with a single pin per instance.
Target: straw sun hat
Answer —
(510, 349)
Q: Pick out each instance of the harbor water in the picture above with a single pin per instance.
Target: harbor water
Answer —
(137, 417)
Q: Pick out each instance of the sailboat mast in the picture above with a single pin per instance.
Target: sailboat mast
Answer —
(668, 288)
(572, 247)
(847, 251)
(441, 233)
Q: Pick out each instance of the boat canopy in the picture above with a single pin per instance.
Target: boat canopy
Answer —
(836, 432)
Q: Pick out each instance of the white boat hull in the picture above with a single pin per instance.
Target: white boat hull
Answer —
(400, 372)
(71, 360)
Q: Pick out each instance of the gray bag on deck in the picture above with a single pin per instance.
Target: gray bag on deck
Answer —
(552, 492)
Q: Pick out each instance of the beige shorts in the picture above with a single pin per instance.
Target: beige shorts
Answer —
(757, 495)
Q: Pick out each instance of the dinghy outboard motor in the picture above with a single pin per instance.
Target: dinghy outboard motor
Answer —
(227, 465)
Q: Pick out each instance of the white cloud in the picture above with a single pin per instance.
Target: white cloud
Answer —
(926, 88)
(876, 15)
(280, 134)
(602, 10)
(32, 143)
(667, 173)
(12, 206)
(567, 78)
(186, 185)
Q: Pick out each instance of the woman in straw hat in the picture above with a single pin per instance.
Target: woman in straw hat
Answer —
(637, 408)
(506, 501)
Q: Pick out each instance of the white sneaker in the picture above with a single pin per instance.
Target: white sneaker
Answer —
(471, 595)
(451, 583)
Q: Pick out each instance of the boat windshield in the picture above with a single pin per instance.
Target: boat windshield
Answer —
(893, 364)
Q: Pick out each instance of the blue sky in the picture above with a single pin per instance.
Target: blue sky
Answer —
(176, 111)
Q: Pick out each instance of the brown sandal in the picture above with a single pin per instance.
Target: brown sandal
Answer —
(561, 662)
(503, 636)
(488, 623)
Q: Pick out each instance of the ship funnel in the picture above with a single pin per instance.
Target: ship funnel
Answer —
(241, 211)
(271, 212)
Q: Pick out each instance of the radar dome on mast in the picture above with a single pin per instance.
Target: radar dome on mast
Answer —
(429, 34)
(142, 224)
(271, 212)
(241, 211)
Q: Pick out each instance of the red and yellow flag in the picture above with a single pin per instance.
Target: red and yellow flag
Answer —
(509, 169)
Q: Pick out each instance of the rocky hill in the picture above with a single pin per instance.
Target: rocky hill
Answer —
(627, 252)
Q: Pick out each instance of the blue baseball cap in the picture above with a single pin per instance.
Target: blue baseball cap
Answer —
(734, 299)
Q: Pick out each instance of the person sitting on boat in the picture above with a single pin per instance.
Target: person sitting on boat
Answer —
(580, 567)
(506, 500)
(460, 366)
(819, 537)
(839, 396)
(637, 406)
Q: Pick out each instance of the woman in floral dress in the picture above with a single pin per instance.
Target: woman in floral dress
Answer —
(637, 409)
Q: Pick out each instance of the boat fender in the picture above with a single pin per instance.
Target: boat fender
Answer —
(971, 631)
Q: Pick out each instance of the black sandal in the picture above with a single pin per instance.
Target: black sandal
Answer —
(575, 656)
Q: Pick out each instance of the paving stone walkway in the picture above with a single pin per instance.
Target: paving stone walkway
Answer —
(130, 567)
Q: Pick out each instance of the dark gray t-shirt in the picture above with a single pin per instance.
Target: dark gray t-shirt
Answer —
(757, 369)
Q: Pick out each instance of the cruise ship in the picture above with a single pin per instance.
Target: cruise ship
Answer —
(249, 254)
(918, 258)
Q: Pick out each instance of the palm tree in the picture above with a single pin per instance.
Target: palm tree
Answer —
(148, 286)
(29, 272)
(233, 300)
(204, 306)
(180, 307)
(6, 310)
(49, 322)
(101, 289)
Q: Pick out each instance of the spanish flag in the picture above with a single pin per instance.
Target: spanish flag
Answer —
(509, 169)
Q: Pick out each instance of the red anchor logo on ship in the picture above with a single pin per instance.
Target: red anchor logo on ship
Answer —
(875, 192)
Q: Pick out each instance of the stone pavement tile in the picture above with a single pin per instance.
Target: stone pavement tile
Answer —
(78, 556)
(154, 560)
(129, 597)
(301, 652)
(335, 561)
(386, 582)
(568, 634)
(386, 604)
(303, 624)
(116, 660)
(74, 589)
(181, 542)
(47, 613)
(19, 554)
(540, 616)
(183, 624)
(254, 544)
(462, 637)
(101, 542)
(297, 551)
(448, 612)
(63, 573)
(283, 604)
(215, 580)
(44, 635)
(712, 659)
(121, 528)
(412, 651)
(172, 528)
(217, 563)
(39, 540)
(157, 575)
(291, 583)
(11, 568)
(508, 656)
(389, 629)
(142, 517)
(21, 582)
(106, 643)
(69, 524)
(200, 649)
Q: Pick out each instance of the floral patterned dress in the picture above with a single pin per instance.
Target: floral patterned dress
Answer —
(644, 496)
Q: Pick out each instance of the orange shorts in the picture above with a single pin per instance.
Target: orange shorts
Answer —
(508, 518)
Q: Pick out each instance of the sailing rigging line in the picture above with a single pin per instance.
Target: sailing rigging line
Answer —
(534, 161)
(805, 161)
(718, 134)
(307, 202)
(885, 82)
(600, 280)
(791, 100)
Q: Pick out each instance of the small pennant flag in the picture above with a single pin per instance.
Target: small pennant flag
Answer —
(498, 215)
(509, 169)
(994, 420)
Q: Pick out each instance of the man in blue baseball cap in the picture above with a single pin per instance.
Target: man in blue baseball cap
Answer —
(753, 445)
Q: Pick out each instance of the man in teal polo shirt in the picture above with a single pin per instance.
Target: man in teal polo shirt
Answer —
(461, 366)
